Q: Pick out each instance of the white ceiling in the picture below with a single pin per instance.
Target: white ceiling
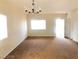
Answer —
(47, 6)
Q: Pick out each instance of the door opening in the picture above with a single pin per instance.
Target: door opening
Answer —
(59, 28)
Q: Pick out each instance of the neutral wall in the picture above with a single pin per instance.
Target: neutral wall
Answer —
(50, 24)
(72, 25)
(17, 28)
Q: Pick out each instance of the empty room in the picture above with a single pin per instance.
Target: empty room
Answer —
(38, 29)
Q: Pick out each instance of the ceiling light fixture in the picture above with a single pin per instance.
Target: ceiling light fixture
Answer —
(33, 10)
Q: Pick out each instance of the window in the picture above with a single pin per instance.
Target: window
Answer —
(38, 24)
(3, 27)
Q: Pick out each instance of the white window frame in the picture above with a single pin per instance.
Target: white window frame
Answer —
(3, 27)
(38, 24)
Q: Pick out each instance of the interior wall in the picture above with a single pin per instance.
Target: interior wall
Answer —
(50, 24)
(17, 28)
(72, 25)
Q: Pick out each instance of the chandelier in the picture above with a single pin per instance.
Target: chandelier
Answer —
(33, 10)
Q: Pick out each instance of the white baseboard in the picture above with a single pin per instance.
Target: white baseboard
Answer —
(13, 48)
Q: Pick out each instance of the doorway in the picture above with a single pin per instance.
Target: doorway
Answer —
(59, 28)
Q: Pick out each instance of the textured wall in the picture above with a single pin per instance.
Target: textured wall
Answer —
(17, 28)
(72, 25)
(50, 24)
